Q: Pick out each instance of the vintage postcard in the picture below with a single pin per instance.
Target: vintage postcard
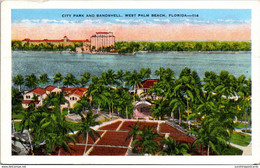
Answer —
(83, 82)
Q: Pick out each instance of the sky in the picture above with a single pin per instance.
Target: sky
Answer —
(133, 24)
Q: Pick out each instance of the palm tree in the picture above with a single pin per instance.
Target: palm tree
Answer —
(120, 77)
(160, 72)
(28, 121)
(85, 79)
(159, 109)
(212, 132)
(244, 92)
(69, 80)
(31, 81)
(135, 130)
(85, 127)
(43, 79)
(19, 81)
(177, 103)
(227, 84)
(171, 147)
(145, 73)
(134, 79)
(58, 79)
(147, 141)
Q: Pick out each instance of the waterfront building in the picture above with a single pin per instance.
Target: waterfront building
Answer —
(72, 95)
(65, 41)
(36, 96)
(101, 40)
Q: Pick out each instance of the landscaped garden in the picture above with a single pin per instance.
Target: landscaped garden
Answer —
(240, 139)
(213, 102)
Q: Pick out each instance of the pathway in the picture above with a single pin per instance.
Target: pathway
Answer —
(247, 150)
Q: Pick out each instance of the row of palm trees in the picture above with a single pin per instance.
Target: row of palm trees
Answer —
(109, 78)
(212, 104)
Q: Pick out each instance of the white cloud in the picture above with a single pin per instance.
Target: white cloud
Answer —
(91, 21)
(30, 21)
(124, 21)
(162, 20)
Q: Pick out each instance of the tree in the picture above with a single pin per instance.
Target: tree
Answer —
(85, 79)
(135, 130)
(85, 127)
(28, 122)
(146, 142)
(171, 147)
(31, 81)
(58, 79)
(134, 79)
(177, 103)
(145, 73)
(69, 80)
(43, 79)
(19, 81)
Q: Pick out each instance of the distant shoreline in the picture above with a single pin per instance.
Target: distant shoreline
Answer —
(139, 52)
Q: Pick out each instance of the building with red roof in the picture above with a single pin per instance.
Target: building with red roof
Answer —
(146, 85)
(65, 41)
(52, 89)
(37, 93)
(101, 40)
(71, 94)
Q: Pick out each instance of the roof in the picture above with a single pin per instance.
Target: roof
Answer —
(148, 83)
(113, 138)
(67, 89)
(50, 88)
(29, 101)
(78, 91)
(102, 32)
(37, 90)
(59, 40)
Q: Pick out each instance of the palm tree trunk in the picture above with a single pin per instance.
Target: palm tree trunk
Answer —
(245, 125)
(188, 114)
(30, 141)
(172, 115)
(109, 110)
(112, 111)
(134, 92)
(126, 113)
(19, 88)
(86, 143)
(13, 126)
(208, 151)
(179, 116)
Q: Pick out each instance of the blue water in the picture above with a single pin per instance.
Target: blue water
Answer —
(27, 62)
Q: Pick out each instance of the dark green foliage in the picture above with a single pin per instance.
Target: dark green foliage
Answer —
(129, 47)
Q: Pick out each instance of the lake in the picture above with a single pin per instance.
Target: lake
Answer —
(27, 62)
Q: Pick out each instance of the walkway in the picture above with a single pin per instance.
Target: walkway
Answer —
(247, 150)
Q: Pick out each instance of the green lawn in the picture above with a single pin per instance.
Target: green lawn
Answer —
(74, 126)
(17, 116)
(241, 125)
(240, 139)
(248, 130)
(17, 126)
(232, 151)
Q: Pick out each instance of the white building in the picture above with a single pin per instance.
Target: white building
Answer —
(101, 40)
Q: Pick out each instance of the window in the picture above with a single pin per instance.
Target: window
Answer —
(27, 96)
